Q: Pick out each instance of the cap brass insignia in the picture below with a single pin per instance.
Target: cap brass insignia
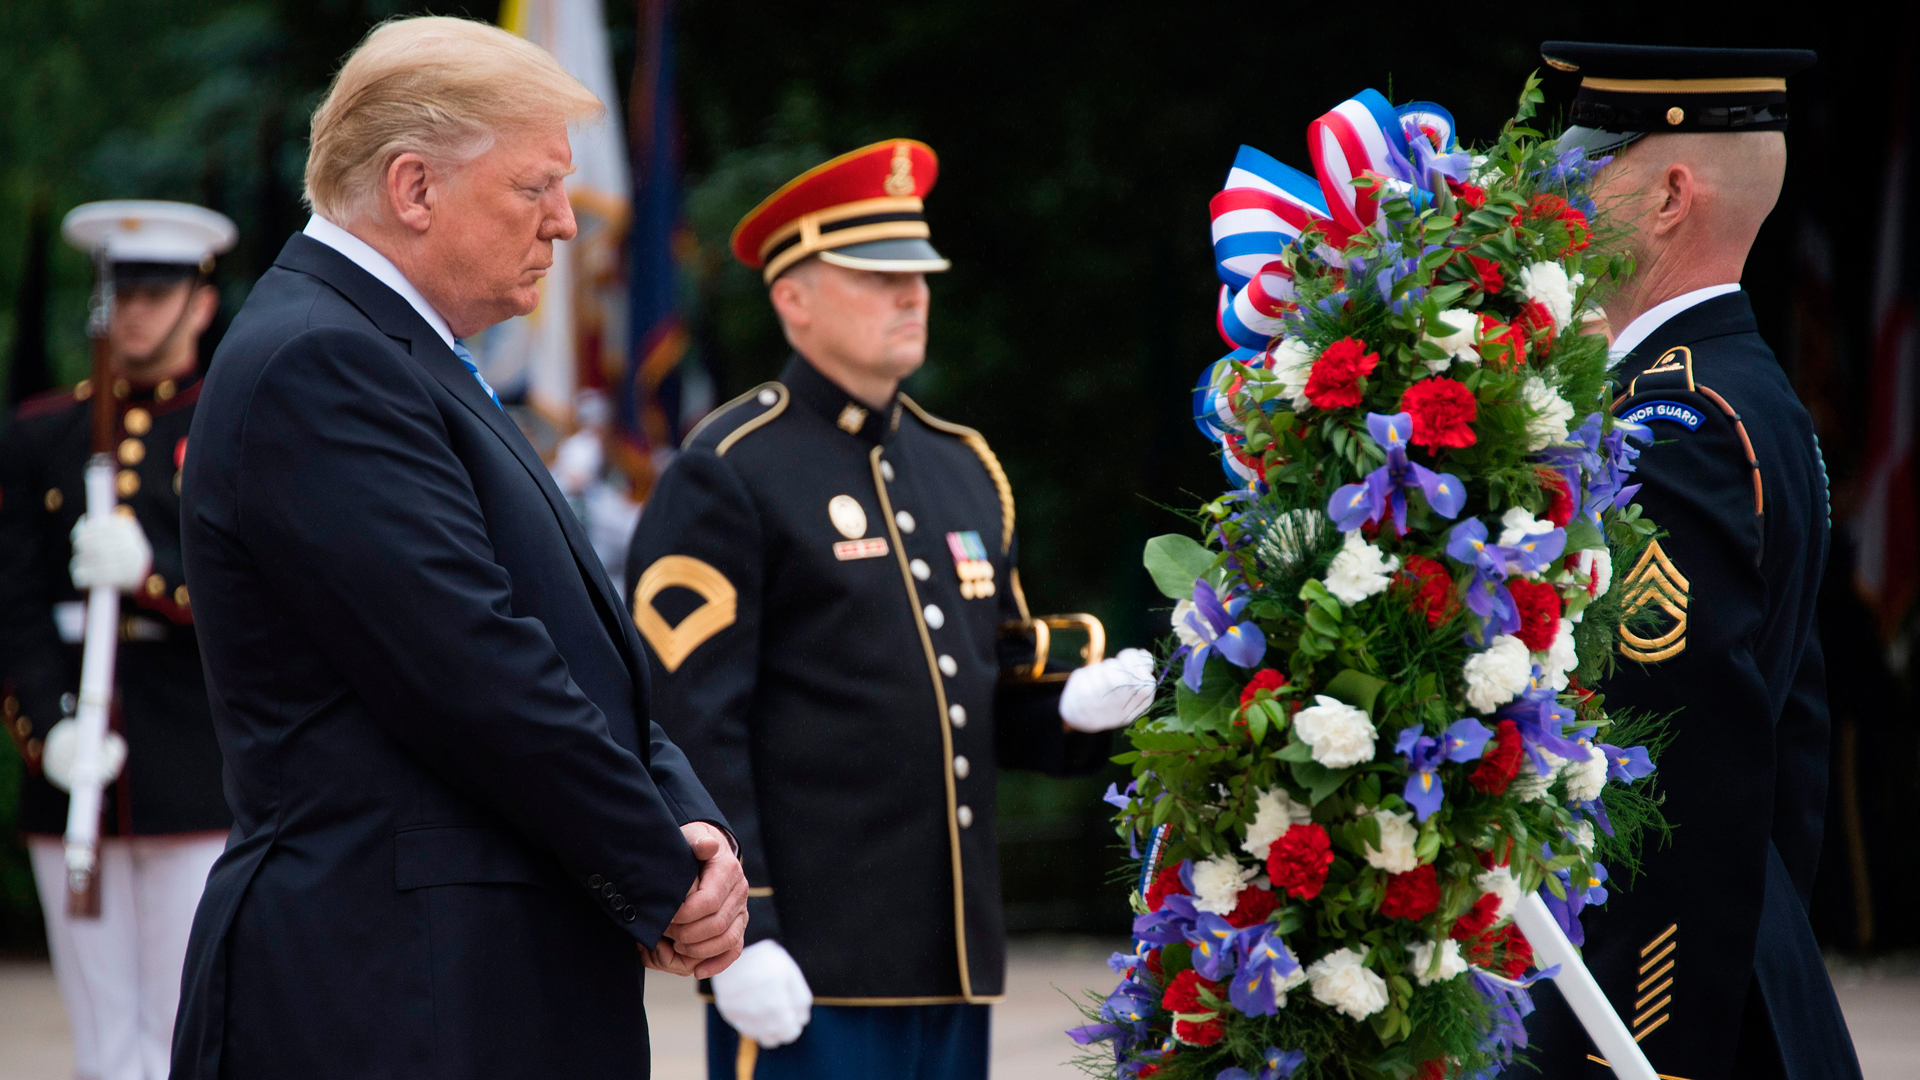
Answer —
(673, 644)
(899, 181)
(1656, 581)
(848, 516)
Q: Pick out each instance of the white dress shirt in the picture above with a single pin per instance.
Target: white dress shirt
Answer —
(366, 258)
(1656, 316)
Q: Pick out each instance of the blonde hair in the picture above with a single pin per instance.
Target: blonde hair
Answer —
(439, 87)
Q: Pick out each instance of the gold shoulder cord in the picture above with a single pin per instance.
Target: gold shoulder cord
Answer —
(978, 444)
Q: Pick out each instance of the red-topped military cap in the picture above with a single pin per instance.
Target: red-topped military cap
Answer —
(860, 210)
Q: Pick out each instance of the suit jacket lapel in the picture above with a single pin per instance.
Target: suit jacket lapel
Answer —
(396, 318)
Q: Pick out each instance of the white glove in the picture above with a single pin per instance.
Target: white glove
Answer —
(109, 551)
(764, 996)
(1110, 694)
(63, 746)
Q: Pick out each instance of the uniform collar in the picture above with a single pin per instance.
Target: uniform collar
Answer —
(1718, 316)
(836, 406)
(1659, 314)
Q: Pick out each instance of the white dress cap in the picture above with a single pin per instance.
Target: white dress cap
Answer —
(143, 230)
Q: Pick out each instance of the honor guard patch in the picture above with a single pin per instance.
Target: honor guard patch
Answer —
(717, 611)
(971, 562)
(1654, 582)
(1675, 411)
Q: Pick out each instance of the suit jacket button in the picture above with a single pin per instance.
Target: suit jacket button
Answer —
(617, 901)
(965, 815)
(607, 889)
(629, 913)
(596, 881)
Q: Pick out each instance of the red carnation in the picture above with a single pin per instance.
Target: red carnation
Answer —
(1264, 679)
(1486, 275)
(1183, 993)
(1252, 906)
(1500, 764)
(1500, 347)
(1442, 409)
(1431, 585)
(1432, 1069)
(1148, 1070)
(1559, 497)
(1535, 323)
(1334, 382)
(1166, 884)
(1152, 960)
(1519, 953)
(1200, 1033)
(1539, 605)
(1412, 895)
(1473, 195)
(1547, 208)
(1298, 861)
(1477, 919)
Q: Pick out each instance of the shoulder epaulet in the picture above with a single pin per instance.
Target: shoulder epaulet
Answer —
(978, 444)
(48, 402)
(1673, 374)
(739, 418)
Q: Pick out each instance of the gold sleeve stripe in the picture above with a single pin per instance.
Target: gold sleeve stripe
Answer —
(673, 644)
(978, 444)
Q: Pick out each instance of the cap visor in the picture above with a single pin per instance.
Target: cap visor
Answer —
(1595, 141)
(904, 256)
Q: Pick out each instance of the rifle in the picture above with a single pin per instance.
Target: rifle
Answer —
(103, 624)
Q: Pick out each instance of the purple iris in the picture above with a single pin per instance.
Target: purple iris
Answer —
(1385, 488)
(1627, 765)
(1542, 722)
(1276, 1064)
(1487, 595)
(1125, 1013)
(1212, 938)
(1239, 643)
(1265, 965)
(1511, 1005)
(1461, 742)
(1567, 912)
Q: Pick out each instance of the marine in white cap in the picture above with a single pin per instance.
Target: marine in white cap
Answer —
(165, 818)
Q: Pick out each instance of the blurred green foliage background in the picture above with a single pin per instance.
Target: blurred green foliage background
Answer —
(1079, 145)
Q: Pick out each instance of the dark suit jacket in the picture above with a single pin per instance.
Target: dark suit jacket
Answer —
(453, 818)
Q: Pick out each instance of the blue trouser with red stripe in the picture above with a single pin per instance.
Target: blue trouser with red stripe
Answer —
(897, 1042)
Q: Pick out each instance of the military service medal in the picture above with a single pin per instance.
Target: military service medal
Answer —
(971, 562)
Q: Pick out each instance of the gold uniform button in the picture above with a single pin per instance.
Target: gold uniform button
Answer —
(1676, 116)
(121, 388)
(132, 451)
(24, 726)
(176, 483)
(156, 585)
(180, 597)
(961, 767)
(921, 571)
(948, 667)
(958, 714)
(124, 510)
(165, 390)
(965, 816)
(54, 500)
(83, 390)
(934, 616)
(138, 421)
(127, 483)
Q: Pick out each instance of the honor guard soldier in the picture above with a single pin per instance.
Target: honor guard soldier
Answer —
(1709, 956)
(164, 819)
(826, 577)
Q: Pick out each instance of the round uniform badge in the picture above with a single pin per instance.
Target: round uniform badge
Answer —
(847, 516)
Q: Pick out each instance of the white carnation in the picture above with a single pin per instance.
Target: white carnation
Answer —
(1529, 785)
(1339, 734)
(1181, 629)
(1452, 964)
(1585, 778)
(1459, 325)
(1340, 980)
(1274, 813)
(1597, 564)
(1547, 282)
(1292, 362)
(1500, 882)
(1551, 413)
(1561, 657)
(1582, 836)
(1397, 835)
(1498, 675)
(1359, 570)
(1517, 524)
(1217, 882)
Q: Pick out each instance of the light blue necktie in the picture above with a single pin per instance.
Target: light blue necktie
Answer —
(466, 358)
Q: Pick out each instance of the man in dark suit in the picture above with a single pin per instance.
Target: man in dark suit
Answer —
(1708, 955)
(454, 820)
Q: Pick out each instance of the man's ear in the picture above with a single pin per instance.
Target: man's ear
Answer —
(789, 299)
(206, 301)
(1678, 189)
(408, 195)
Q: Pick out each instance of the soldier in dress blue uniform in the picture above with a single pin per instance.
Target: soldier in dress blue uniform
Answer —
(825, 578)
(165, 819)
(1708, 955)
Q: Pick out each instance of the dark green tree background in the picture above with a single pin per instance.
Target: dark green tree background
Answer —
(1079, 145)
